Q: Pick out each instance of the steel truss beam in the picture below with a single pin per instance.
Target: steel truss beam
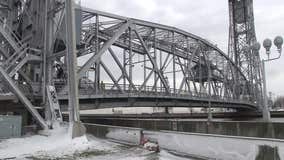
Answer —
(122, 56)
(155, 66)
(104, 48)
(242, 36)
(189, 56)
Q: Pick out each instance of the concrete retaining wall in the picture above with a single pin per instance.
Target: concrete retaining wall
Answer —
(231, 128)
(208, 146)
(121, 134)
(203, 146)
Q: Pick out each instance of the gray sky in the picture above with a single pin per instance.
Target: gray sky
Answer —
(206, 18)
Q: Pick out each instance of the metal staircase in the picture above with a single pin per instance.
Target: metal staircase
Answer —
(16, 55)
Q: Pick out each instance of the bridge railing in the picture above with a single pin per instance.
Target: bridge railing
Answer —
(121, 90)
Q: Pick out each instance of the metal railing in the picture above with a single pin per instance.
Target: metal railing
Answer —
(109, 89)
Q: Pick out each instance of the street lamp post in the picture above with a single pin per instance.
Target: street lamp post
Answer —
(265, 110)
(267, 44)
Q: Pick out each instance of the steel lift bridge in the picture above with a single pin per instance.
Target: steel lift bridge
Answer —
(123, 62)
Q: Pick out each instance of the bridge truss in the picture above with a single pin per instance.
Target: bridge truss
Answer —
(121, 61)
(241, 40)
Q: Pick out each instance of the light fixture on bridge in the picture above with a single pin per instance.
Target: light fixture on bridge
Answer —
(278, 42)
(267, 44)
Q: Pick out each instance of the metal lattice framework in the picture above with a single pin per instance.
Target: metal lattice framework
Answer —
(242, 38)
(121, 61)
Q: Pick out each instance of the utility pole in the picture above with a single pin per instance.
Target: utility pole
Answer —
(77, 129)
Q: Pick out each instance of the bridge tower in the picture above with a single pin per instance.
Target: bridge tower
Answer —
(30, 32)
(241, 39)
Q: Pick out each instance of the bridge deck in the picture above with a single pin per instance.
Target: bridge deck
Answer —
(109, 97)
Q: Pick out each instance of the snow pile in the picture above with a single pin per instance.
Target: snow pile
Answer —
(57, 144)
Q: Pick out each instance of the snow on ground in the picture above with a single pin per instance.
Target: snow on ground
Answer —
(138, 154)
(59, 145)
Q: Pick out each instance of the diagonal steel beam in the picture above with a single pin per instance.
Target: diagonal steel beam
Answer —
(23, 98)
(87, 17)
(155, 66)
(146, 80)
(111, 76)
(27, 79)
(121, 68)
(16, 55)
(106, 45)
(9, 39)
(184, 79)
(164, 66)
(96, 57)
(18, 66)
(120, 77)
(185, 70)
(193, 82)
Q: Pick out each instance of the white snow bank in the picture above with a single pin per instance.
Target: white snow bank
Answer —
(137, 154)
(58, 143)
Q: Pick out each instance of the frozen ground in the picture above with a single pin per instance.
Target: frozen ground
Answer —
(59, 146)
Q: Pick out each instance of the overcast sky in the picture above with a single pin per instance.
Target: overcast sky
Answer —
(206, 18)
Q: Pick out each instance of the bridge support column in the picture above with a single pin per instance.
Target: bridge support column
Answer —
(77, 129)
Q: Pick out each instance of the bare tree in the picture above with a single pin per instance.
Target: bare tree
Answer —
(279, 103)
